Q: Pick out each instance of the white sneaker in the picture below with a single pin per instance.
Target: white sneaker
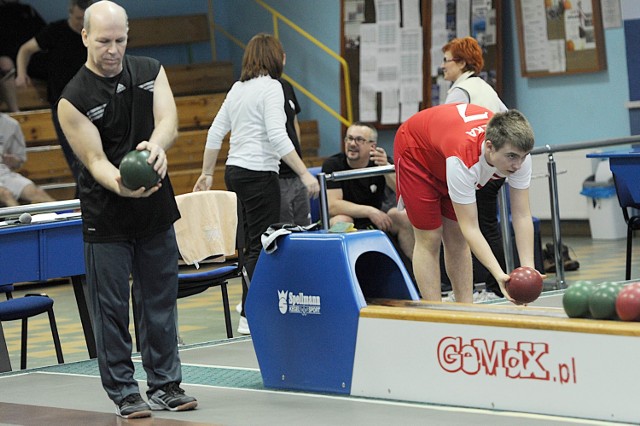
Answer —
(239, 307)
(243, 326)
(449, 298)
(478, 297)
(484, 296)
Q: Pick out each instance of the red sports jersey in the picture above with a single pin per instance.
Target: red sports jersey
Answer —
(439, 157)
(450, 130)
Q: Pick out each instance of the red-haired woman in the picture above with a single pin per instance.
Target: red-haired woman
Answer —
(462, 64)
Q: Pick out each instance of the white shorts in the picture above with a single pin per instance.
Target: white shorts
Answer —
(14, 182)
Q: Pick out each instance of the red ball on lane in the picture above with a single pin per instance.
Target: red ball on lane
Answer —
(525, 284)
(628, 303)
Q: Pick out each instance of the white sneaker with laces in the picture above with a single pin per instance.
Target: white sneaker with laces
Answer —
(484, 296)
(243, 326)
(478, 297)
(449, 298)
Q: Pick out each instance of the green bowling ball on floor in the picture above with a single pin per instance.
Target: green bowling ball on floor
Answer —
(137, 172)
(575, 299)
(602, 302)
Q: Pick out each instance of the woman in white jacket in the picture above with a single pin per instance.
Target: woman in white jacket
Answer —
(253, 112)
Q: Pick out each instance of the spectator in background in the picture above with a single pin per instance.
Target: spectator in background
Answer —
(18, 23)
(66, 53)
(363, 201)
(462, 64)
(253, 112)
(13, 186)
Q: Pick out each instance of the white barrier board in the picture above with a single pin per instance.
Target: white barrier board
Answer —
(562, 373)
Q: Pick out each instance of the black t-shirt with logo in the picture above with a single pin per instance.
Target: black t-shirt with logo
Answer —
(121, 108)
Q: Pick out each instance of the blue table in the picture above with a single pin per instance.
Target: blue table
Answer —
(625, 166)
(42, 251)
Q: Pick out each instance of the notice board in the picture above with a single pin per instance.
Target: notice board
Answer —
(558, 37)
(393, 49)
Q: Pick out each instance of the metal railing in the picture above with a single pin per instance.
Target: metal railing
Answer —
(48, 207)
(553, 191)
(277, 17)
(502, 196)
(345, 175)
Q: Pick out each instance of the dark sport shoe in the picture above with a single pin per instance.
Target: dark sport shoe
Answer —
(549, 260)
(171, 397)
(133, 407)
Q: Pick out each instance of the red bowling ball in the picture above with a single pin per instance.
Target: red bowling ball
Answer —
(525, 285)
(628, 302)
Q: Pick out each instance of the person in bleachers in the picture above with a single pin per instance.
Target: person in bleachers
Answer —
(66, 53)
(14, 187)
(18, 23)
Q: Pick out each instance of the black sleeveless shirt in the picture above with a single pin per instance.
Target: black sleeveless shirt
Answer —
(121, 108)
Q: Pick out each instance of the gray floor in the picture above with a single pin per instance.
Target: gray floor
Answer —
(224, 375)
(225, 378)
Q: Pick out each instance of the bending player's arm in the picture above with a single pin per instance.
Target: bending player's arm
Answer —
(522, 225)
(467, 215)
(86, 143)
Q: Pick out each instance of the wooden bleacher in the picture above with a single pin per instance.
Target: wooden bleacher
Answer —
(199, 90)
(211, 77)
(202, 78)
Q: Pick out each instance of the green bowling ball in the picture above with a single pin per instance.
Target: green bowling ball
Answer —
(136, 172)
(602, 302)
(576, 299)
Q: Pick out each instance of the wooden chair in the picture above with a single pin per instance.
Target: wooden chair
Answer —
(24, 308)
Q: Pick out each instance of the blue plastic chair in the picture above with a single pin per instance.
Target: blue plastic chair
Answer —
(192, 281)
(626, 188)
(24, 308)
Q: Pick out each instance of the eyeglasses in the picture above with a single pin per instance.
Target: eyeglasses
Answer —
(359, 140)
(445, 60)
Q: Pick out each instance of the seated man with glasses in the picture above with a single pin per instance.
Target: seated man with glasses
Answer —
(368, 203)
